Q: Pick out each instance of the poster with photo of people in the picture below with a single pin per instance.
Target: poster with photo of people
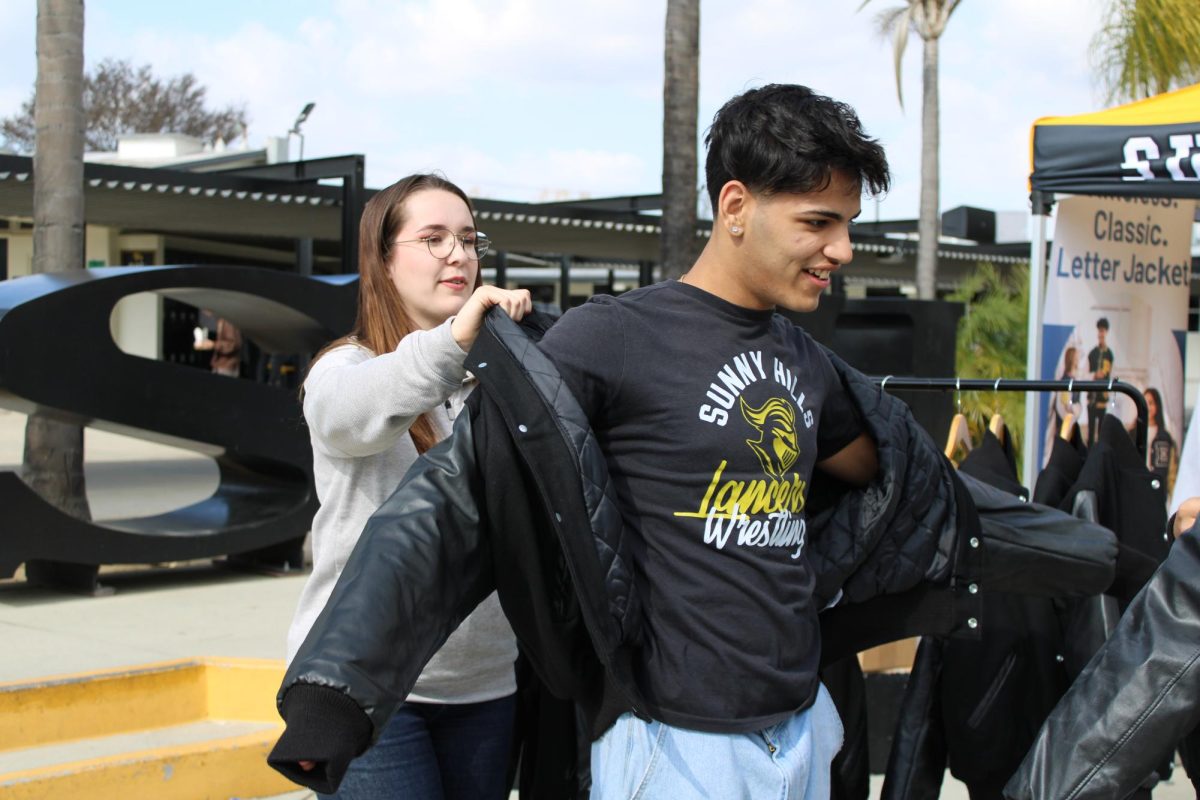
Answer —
(1116, 308)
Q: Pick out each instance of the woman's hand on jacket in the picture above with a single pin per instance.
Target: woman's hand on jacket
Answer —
(515, 302)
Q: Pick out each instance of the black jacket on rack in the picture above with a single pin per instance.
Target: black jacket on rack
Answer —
(1116, 489)
(1062, 469)
(993, 700)
(995, 463)
(1135, 700)
(977, 705)
(1084, 623)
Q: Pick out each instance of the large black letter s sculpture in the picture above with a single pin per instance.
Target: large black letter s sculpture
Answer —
(58, 357)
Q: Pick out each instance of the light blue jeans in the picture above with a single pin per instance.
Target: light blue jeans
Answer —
(788, 761)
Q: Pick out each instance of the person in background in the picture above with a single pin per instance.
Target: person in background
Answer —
(1063, 404)
(1100, 364)
(1162, 456)
(374, 400)
(226, 348)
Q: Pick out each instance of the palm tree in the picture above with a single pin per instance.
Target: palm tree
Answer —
(53, 459)
(681, 107)
(928, 18)
(991, 342)
(1147, 47)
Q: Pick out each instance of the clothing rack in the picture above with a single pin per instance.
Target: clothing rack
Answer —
(1024, 385)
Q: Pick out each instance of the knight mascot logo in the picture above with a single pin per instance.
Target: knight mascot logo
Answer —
(759, 512)
(775, 421)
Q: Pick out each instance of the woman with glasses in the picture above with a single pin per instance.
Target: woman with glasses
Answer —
(374, 400)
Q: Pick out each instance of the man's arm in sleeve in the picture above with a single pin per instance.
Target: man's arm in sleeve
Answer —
(856, 463)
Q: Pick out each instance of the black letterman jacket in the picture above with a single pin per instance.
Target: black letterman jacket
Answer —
(1138, 696)
(518, 500)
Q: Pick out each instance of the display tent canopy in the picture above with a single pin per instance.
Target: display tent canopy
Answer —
(1148, 148)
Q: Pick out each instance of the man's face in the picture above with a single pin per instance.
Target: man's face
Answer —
(793, 243)
(1102, 336)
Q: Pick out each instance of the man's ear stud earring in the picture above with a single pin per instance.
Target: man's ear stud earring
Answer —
(736, 230)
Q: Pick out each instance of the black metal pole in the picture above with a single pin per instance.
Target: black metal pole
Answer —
(502, 268)
(564, 280)
(353, 199)
(304, 256)
(645, 273)
(1024, 385)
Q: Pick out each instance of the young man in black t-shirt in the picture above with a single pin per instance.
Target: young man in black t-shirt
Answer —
(713, 411)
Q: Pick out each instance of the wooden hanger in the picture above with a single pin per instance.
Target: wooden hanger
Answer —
(1068, 426)
(960, 436)
(998, 428)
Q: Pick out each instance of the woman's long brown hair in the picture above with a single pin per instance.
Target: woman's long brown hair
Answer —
(382, 319)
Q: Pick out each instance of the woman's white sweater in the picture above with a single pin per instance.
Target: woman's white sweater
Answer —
(359, 408)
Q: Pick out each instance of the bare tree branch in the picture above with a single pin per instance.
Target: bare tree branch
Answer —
(120, 99)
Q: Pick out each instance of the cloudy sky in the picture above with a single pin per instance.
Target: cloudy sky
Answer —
(549, 99)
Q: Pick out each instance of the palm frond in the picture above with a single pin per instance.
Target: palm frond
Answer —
(894, 23)
(899, 21)
(1147, 47)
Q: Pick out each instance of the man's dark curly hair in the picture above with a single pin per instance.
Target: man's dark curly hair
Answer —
(788, 138)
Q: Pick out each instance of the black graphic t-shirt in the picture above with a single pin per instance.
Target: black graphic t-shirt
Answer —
(1100, 364)
(712, 417)
(1161, 454)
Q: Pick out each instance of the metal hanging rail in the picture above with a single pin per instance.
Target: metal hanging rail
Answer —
(1024, 385)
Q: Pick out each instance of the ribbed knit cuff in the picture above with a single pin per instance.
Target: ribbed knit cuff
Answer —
(325, 726)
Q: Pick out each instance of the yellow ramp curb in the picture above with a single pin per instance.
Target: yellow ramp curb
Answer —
(144, 699)
(235, 767)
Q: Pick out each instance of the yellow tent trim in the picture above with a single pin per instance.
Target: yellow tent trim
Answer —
(1171, 108)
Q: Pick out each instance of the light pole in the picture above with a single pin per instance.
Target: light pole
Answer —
(304, 112)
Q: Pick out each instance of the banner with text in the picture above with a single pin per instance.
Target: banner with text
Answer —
(1116, 307)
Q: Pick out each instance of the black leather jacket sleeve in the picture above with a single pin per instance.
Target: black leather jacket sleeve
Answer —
(323, 726)
(1133, 703)
(419, 568)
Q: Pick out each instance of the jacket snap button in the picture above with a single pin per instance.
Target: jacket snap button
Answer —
(973, 588)
(972, 623)
(1059, 658)
(974, 542)
(770, 748)
(522, 429)
(481, 365)
(1155, 483)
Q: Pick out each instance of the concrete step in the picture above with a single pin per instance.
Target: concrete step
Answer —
(181, 730)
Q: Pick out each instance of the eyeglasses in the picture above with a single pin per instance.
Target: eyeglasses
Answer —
(441, 243)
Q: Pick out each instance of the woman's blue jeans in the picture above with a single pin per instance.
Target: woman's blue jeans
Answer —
(437, 752)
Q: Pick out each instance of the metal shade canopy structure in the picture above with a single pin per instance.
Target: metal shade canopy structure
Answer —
(261, 212)
(1149, 148)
